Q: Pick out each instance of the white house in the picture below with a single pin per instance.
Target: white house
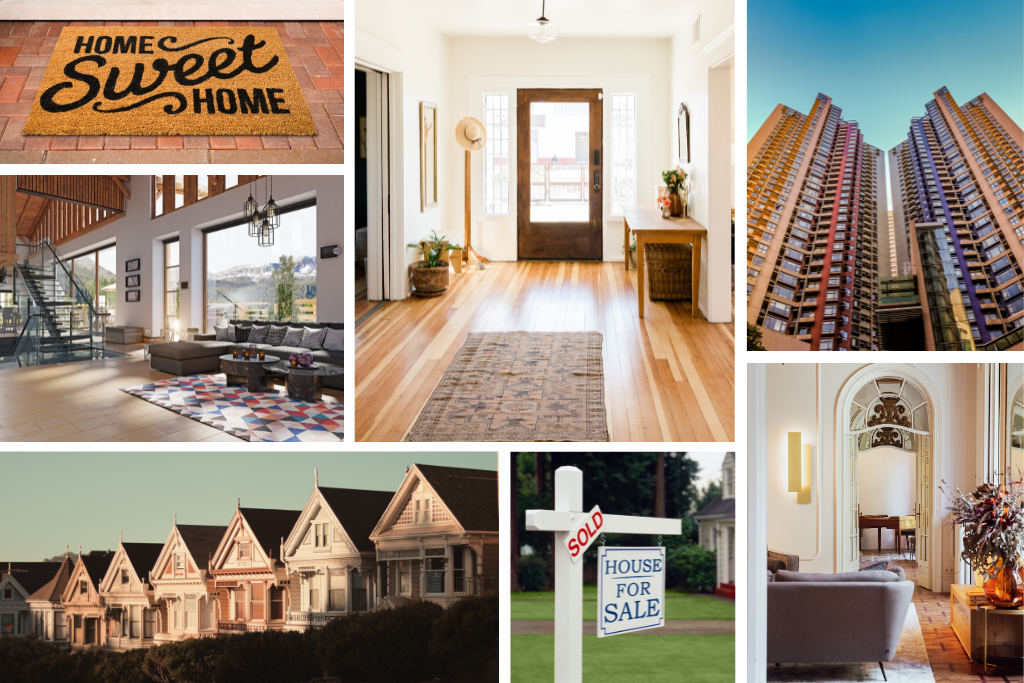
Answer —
(717, 522)
(48, 621)
(18, 581)
(127, 597)
(183, 587)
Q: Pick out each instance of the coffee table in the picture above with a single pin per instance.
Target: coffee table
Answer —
(247, 373)
(303, 384)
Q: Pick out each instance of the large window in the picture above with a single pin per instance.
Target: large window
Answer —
(245, 281)
(405, 577)
(496, 154)
(623, 166)
(172, 285)
(172, 192)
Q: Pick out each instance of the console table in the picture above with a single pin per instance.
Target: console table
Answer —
(996, 635)
(647, 224)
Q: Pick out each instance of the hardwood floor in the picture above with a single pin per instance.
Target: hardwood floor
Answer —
(82, 402)
(668, 376)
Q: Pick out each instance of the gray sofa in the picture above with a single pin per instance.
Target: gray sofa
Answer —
(203, 354)
(850, 617)
(779, 560)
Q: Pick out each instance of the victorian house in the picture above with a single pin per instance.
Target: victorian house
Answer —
(18, 581)
(183, 588)
(438, 538)
(329, 557)
(127, 597)
(717, 525)
(82, 602)
(48, 620)
(249, 575)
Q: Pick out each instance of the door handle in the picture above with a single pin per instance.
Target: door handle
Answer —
(597, 181)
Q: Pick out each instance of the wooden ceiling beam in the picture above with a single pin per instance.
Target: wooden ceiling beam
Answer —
(120, 181)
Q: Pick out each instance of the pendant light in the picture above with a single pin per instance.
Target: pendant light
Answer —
(266, 233)
(250, 210)
(542, 30)
(266, 220)
(271, 210)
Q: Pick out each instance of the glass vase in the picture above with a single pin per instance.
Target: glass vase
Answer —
(1004, 588)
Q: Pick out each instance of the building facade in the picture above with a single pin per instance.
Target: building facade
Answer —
(83, 605)
(958, 189)
(48, 620)
(18, 582)
(814, 230)
(717, 529)
(127, 597)
(184, 591)
(329, 557)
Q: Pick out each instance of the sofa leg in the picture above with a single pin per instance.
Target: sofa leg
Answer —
(883, 671)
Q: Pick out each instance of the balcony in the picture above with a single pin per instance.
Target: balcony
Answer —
(473, 585)
(314, 618)
(240, 627)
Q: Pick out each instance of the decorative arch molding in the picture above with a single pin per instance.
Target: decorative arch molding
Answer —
(842, 416)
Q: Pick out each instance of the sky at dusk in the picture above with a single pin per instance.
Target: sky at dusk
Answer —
(53, 499)
(881, 61)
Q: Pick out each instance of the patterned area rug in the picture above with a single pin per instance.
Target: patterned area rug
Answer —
(267, 416)
(877, 566)
(519, 386)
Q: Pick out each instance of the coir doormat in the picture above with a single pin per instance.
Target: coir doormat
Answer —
(169, 81)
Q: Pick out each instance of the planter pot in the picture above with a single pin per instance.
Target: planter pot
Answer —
(677, 207)
(1003, 588)
(430, 281)
(632, 259)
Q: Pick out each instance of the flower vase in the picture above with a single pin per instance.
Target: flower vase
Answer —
(666, 212)
(677, 206)
(1004, 588)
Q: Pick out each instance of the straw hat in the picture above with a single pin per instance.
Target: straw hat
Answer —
(471, 134)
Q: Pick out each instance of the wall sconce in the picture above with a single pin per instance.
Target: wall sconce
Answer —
(799, 469)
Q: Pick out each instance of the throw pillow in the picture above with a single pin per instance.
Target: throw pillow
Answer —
(313, 339)
(222, 333)
(258, 334)
(231, 333)
(276, 335)
(293, 338)
(242, 334)
(335, 340)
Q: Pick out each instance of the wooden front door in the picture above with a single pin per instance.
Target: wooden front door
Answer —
(560, 174)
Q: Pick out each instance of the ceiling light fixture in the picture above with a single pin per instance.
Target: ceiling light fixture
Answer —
(542, 30)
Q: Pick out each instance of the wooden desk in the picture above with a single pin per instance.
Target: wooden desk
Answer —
(647, 224)
(881, 523)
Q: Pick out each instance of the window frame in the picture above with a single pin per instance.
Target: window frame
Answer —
(612, 156)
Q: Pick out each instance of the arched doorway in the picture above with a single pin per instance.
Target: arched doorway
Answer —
(894, 407)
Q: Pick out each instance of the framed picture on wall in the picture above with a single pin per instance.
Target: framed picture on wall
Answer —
(684, 134)
(132, 265)
(132, 295)
(428, 156)
(132, 280)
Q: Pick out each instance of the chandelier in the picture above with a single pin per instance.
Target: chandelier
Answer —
(262, 222)
(542, 30)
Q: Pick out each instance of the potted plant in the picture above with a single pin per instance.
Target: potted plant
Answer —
(632, 253)
(675, 182)
(430, 276)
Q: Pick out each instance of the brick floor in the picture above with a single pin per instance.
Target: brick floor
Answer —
(316, 52)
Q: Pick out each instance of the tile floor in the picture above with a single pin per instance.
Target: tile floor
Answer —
(315, 50)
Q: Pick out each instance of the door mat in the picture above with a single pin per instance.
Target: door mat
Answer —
(264, 416)
(169, 81)
(519, 386)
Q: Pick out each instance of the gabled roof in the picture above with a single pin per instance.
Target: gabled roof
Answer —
(52, 589)
(270, 526)
(142, 556)
(201, 541)
(30, 575)
(471, 495)
(358, 512)
(97, 562)
(726, 509)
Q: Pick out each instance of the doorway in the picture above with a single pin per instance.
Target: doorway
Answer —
(375, 228)
(559, 174)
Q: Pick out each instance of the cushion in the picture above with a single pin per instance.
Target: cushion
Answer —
(784, 576)
(330, 357)
(335, 340)
(242, 334)
(190, 350)
(313, 339)
(222, 333)
(293, 337)
(276, 335)
(776, 565)
(258, 334)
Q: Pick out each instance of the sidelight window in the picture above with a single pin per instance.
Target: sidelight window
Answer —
(496, 170)
(623, 153)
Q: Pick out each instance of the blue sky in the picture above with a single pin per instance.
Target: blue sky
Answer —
(880, 62)
(51, 499)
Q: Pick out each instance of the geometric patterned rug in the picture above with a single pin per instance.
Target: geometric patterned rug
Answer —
(264, 416)
(877, 566)
(519, 386)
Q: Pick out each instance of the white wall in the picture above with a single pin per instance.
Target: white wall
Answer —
(481, 66)
(712, 123)
(139, 236)
(396, 36)
(887, 485)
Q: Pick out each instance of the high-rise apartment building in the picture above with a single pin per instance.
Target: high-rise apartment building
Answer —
(891, 236)
(958, 188)
(814, 190)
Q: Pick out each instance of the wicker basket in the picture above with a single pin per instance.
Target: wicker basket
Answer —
(669, 271)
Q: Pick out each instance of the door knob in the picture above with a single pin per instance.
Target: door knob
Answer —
(597, 181)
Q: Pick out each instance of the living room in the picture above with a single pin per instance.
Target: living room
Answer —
(864, 481)
(172, 308)
(509, 171)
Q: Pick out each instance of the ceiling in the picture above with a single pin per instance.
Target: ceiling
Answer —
(28, 208)
(575, 18)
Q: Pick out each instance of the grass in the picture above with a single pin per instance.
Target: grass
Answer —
(632, 658)
(541, 605)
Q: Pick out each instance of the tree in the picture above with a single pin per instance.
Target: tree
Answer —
(710, 492)
(513, 503)
(755, 339)
(659, 488)
(283, 281)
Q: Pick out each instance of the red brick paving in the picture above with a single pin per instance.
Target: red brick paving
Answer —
(315, 50)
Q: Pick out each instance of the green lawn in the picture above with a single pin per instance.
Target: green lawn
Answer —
(541, 605)
(631, 658)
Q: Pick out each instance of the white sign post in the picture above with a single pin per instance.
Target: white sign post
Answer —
(568, 518)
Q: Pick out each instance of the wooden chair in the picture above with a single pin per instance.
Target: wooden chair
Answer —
(908, 529)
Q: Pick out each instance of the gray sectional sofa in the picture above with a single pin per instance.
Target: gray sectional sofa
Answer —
(850, 617)
(203, 354)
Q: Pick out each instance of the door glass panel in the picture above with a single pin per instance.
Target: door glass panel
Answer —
(559, 162)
